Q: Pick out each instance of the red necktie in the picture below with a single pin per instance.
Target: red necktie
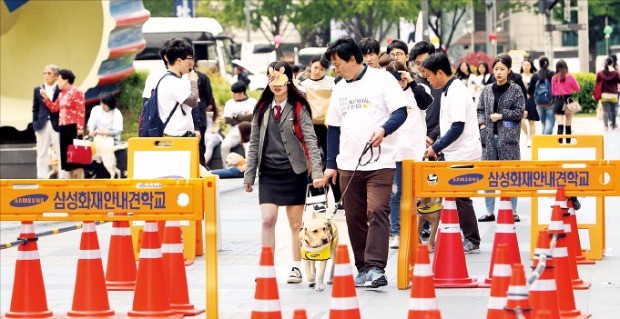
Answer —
(278, 113)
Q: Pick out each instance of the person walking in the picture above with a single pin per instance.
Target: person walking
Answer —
(609, 79)
(531, 114)
(44, 122)
(540, 90)
(563, 86)
(500, 110)
(365, 109)
(460, 137)
(279, 158)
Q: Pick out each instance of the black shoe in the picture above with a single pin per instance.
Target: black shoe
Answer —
(487, 218)
(576, 203)
(339, 206)
(425, 234)
(517, 218)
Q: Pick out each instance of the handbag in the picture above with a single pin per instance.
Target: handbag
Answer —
(599, 111)
(571, 106)
(598, 90)
(79, 152)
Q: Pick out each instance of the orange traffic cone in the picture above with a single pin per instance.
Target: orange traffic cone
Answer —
(541, 314)
(121, 270)
(300, 314)
(28, 299)
(90, 298)
(500, 283)
(433, 314)
(151, 295)
(579, 257)
(504, 234)
(343, 304)
(422, 299)
(517, 295)
(449, 267)
(266, 297)
(563, 282)
(578, 283)
(543, 292)
(174, 267)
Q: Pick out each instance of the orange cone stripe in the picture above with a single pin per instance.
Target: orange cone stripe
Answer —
(266, 272)
(543, 285)
(263, 305)
(89, 254)
(341, 270)
(497, 303)
(121, 231)
(559, 252)
(343, 303)
(150, 253)
(422, 304)
(505, 228)
(172, 248)
(422, 270)
(28, 255)
(501, 270)
(450, 228)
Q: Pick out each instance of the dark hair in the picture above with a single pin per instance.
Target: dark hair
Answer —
(486, 67)
(178, 49)
(296, 68)
(344, 48)
(394, 67)
(504, 59)
(460, 74)
(245, 128)
(532, 69)
(68, 75)
(385, 59)
(614, 57)
(543, 62)
(609, 62)
(108, 99)
(238, 87)
(324, 63)
(397, 44)
(368, 45)
(421, 48)
(561, 69)
(294, 95)
(438, 61)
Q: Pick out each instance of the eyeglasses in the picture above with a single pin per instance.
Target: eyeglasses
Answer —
(397, 54)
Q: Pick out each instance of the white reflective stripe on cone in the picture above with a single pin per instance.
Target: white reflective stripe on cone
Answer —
(562, 204)
(422, 303)
(262, 305)
(497, 303)
(556, 225)
(502, 270)
(422, 270)
(542, 251)
(505, 228)
(121, 231)
(28, 255)
(150, 227)
(266, 272)
(26, 229)
(559, 252)
(518, 292)
(343, 303)
(88, 228)
(89, 254)
(543, 285)
(172, 248)
(172, 223)
(567, 228)
(450, 228)
(449, 205)
(342, 270)
(150, 253)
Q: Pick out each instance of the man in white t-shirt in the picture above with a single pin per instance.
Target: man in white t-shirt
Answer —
(176, 96)
(236, 110)
(365, 108)
(459, 135)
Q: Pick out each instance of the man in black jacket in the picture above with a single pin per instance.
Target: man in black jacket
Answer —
(44, 122)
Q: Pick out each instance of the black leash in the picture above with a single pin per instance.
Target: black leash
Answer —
(372, 159)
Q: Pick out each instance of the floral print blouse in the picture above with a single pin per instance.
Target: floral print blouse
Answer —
(71, 105)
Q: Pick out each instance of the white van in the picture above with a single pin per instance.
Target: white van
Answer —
(303, 56)
(212, 49)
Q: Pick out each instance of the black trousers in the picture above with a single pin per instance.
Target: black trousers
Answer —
(467, 219)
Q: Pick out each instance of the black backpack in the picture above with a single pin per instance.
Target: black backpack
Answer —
(149, 123)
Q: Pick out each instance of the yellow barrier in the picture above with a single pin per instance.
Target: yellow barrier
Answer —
(141, 199)
(509, 178)
(591, 217)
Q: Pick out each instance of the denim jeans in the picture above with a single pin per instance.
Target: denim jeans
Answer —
(232, 172)
(395, 200)
(547, 118)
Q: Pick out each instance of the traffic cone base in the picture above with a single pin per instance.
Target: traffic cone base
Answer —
(91, 314)
(31, 315)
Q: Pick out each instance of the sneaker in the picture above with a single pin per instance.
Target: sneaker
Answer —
(470, 248)
(294, 277)
(339, 206)
(517, 218)
(425, 234)
(487, 218)
(360, 279)
(395, 242)
(375, 278)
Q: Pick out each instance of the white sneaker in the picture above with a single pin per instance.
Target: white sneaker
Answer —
(395, 242)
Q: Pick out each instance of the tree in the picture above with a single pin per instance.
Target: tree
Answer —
(160, 8)
(444, 17)
(311, 18)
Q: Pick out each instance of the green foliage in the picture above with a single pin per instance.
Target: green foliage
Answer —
(586, 83)
(454, 11)
(160, 8)
(130, 103)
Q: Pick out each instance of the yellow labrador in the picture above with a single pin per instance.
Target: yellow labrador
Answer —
(104, 153)
(318, 239)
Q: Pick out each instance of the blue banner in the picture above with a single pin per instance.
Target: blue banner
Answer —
(184, 8)
(13, 5)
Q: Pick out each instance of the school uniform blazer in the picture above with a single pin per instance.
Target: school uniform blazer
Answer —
(294, 150)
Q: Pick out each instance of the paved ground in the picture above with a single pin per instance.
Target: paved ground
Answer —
(239, 257)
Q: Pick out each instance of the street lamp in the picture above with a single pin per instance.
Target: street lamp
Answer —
(607, 31)
(471, 30)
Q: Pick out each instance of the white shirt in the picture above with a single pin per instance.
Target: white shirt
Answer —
(233, 107)
(412, 134)
(173, 90)
(457, 106)
(151, 81)
(109, 120)
(360, 107)
(326, 83)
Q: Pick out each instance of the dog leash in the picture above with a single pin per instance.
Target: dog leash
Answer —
(367, 148)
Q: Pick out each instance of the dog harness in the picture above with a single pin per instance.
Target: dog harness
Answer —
(325, 253)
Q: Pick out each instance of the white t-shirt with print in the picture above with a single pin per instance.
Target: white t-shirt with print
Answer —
(457, 106)
(412, 134)
(109, 120)
(360, 107)
(173, 89)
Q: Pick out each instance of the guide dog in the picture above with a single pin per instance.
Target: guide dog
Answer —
(104, 153)
(318, 239)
